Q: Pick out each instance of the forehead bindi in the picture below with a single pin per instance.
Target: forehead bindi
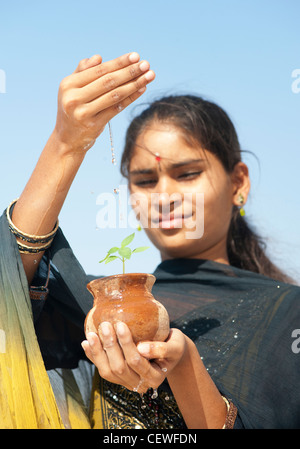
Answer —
(163, 143)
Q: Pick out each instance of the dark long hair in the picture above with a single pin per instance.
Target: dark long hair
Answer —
(208, 124)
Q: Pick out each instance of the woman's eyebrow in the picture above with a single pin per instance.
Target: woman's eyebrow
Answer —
(186, 162)
(146, 171)
(143, 171)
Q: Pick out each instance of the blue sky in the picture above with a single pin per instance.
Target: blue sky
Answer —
(238, 53)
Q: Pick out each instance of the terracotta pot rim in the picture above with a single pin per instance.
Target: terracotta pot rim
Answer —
(121, 275)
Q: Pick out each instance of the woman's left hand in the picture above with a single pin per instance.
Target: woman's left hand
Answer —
(137, 367)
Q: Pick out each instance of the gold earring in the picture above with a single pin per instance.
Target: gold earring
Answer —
(241, 200)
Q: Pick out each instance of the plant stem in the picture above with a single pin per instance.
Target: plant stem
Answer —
(123, 261)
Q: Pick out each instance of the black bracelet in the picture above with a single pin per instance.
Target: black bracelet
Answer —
(28, 237)
(24, 249)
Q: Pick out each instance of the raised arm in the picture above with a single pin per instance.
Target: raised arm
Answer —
(87, 100)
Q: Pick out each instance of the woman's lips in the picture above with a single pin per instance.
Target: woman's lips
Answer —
(170, 221)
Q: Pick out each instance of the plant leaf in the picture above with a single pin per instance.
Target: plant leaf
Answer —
(140, 249)
(125, 252)
(127, 240)
(111, 258)
(100, 261)
(114, 249)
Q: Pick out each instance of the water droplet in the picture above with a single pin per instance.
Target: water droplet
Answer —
(116, 191)
(143, 406)
(155, 394)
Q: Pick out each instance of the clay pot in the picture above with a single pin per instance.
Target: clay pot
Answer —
(128, 298)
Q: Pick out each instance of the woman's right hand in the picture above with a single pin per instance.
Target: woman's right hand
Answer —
(94, 93)
(119, 360)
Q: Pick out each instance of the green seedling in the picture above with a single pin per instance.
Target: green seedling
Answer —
(124, 252)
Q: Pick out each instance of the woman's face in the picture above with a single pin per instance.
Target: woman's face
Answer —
(185, 195)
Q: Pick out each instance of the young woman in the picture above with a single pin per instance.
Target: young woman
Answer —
(228, 361)
(225, 297)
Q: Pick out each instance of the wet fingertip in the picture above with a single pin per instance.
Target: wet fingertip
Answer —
(144, 66)
(144, 349)
(150, 76)
(91, 338)
(105, 328)
(120, 328)
(134, 57)
(84, 344)
(95, 58)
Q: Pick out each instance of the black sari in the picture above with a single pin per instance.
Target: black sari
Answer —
(241, 323)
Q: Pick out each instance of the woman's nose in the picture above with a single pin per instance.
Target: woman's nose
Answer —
(166, 195)
(165, 185)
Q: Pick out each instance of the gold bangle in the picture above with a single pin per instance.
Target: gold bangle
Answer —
(24, 249)
(230, 415)
(29, 237)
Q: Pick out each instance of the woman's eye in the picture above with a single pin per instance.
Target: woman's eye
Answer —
(183, 176)
(145, 182)
(187, 175)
